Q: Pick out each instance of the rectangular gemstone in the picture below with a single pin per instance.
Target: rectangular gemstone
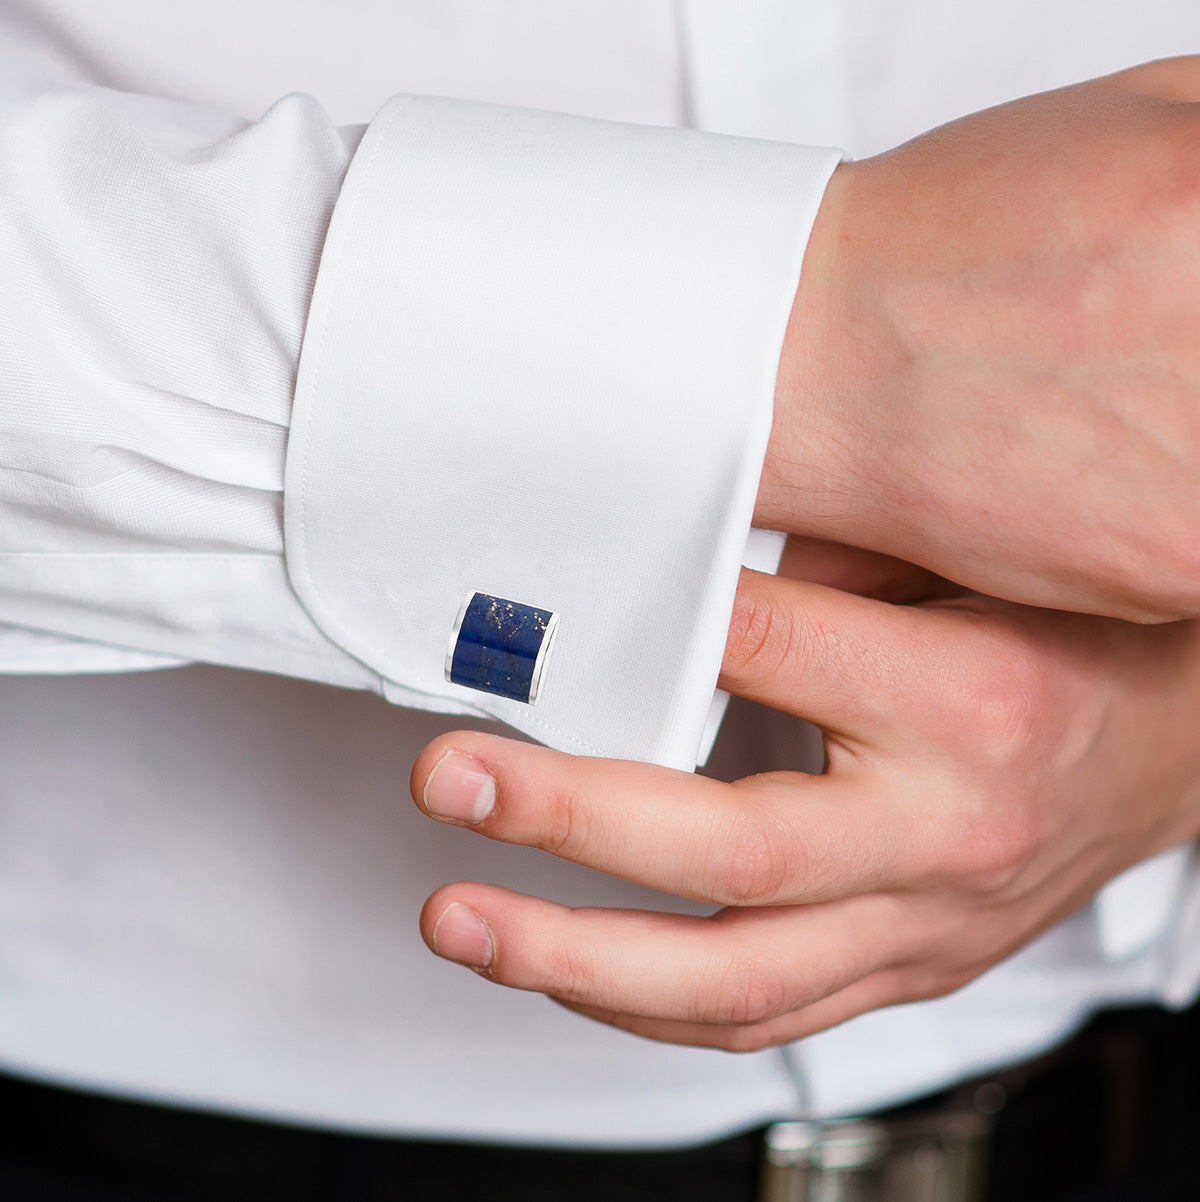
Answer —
(500, 647)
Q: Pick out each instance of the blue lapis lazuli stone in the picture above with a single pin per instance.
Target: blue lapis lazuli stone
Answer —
(497, 646)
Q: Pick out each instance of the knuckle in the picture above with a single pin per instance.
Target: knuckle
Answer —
(1002, 850)
(956, 953)
(563, 828)
(572, 974)
(762, 638)
(752, 991)
(757, 863)
(1011, 699)
(993, 850)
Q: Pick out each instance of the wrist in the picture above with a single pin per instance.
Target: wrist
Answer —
(829, 466)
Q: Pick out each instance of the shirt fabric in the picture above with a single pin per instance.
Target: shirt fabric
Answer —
(278, 391)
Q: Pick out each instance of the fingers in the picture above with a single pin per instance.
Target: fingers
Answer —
(737, 968)
(850, 664)
(880, 989)
(842, 662)
(864, 573)
(781, 837)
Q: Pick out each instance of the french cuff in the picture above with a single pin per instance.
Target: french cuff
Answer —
(531, 410)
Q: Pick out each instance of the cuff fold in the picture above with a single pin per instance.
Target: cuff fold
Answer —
(539, 366)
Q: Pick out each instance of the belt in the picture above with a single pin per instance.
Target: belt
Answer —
(938, 1158)
(1117, 1100)
(1076, 1121)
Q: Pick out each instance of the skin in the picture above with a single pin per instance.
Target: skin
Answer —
(988, 384)
(992, 368)
(990, 766)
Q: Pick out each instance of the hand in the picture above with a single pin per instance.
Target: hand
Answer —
(989, 768)
(993, 363)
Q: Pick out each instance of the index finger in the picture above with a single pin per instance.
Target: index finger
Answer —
(841, 661)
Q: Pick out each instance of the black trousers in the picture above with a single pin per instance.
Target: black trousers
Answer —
(1112, 1117)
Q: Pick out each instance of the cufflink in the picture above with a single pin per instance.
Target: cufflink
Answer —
(499, 646)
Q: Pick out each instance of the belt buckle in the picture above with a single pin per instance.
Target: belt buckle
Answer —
(925, 1158)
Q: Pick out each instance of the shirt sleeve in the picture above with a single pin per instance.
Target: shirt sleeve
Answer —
(267, 407)
(158, 260)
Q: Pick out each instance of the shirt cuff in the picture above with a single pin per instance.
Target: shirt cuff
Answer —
(539, 366)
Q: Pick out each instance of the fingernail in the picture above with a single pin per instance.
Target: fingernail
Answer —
(460, 788)
(462, 936)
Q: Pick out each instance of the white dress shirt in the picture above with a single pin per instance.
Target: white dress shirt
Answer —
(279, 392)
